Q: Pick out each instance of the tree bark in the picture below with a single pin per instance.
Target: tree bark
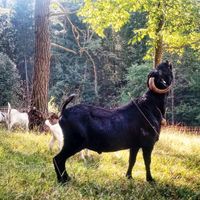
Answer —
(158, 52)
(42, 56)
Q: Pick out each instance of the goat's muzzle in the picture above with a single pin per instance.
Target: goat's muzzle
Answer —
(153, 87)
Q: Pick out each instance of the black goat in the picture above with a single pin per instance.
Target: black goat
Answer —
(134, 126)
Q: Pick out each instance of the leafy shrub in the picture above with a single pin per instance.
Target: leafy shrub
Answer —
(136, 81)
(9, 81)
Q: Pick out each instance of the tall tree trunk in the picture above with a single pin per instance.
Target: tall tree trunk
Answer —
(95, 74)
(158, 52)
(172, 101)
(42, 56)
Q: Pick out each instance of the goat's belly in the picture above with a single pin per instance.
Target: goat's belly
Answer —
(107, 145)
(108, 148)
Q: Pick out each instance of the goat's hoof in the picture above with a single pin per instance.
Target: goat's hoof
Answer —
(64, 180)
(151, 180)
(129, 176)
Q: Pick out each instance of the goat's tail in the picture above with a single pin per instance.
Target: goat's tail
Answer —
(68, 100)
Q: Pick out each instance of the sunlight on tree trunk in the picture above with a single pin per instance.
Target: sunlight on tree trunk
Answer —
(42, 56)
(158, 52)
(159, 39)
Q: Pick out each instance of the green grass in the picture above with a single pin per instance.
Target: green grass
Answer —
(26, 171)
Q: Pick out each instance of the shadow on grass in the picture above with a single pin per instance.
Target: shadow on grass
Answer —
(134, 189)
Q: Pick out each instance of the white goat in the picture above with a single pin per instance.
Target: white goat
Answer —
(57, 134)
(16, 117)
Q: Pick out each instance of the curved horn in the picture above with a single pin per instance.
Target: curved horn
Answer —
(153, 87)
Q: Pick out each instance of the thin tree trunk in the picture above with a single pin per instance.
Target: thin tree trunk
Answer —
(158, 52)
(27, 82)
(172, 95)
(42, 56)
(95, 74)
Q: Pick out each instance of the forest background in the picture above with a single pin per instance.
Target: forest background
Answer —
(105, 68)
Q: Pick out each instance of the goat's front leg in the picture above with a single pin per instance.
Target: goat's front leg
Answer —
(147, 160)
(132, 159)
(10, 125)
(51, 143)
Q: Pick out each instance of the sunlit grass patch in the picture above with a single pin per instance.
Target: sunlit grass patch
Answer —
(27, 171)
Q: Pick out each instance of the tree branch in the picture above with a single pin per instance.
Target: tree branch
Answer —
(63, 48)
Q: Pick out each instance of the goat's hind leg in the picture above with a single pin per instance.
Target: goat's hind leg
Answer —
(147, 160)
(59, 163)
(132, 159)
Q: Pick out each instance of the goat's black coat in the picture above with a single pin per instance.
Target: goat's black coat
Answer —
(134, 126)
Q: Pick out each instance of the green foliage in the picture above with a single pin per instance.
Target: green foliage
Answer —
(111, 56)
(119, 63)
(9, 81)
(136, 81)
(69, 73)
(6, 32)
(70, 78)
(27, 171)
(180, 20)
(23, 35)
(187, 88)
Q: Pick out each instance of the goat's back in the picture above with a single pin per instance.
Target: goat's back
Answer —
(17, 116)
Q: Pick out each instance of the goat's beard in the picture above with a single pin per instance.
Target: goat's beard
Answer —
(153, 87)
